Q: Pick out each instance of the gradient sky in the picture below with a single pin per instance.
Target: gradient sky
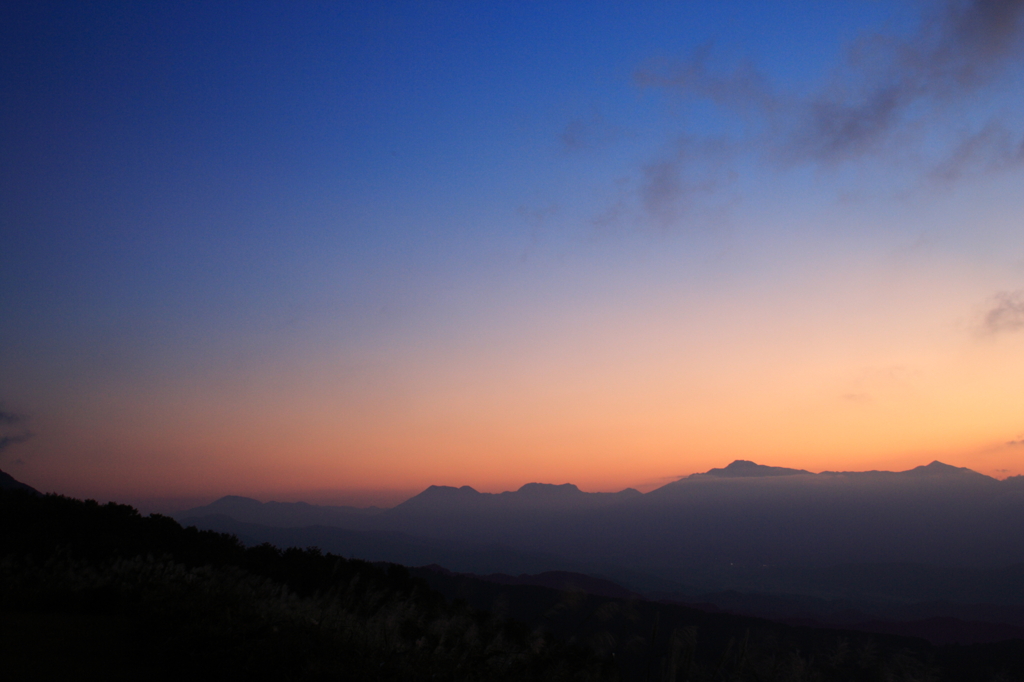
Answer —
(339, 252)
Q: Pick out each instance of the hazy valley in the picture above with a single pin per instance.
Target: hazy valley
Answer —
(845, 547)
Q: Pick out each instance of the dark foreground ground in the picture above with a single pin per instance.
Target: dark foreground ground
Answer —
(89, 590)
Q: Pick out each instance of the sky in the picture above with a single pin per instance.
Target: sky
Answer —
(339, 252)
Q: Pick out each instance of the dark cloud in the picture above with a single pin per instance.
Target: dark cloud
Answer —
(1007, 313)
(886, 89)
(744, 89)
(668, 192)
(12, 430)
(662, 188)
(7, 441)
(993, 148)
(832, 129)
(975, 39)
(669, 187)
(7, 418)
(1013, 442)
(958, 51)
(893, 99)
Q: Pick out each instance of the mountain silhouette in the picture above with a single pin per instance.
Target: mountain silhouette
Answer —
(744, 527)
(937, 468)
(8, 482)
(742, 468)
(388, 546)
(279, 514)
(530, 495)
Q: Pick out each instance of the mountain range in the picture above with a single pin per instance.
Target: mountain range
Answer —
(745, 527)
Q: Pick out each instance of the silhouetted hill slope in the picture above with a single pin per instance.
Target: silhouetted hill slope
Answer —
(100, 592)
(939, 630)
(386, 546)
(658, 641)
(8, 482)
(961, 623)
(991, 595)
(281, 514)
(565, 581)
(873, 589)
(939, 622)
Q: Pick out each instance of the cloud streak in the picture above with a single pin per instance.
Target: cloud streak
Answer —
(10, 421)
(7, 418)
(670, 187)
(886, 91)
(1007, 313)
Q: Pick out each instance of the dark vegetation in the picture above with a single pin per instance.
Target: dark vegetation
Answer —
(100, 589)
(89, 589)
(663, 641)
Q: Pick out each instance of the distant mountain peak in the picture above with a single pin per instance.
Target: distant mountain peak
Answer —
(237, 499)
(444, 492)
(940, 468)
(449, 490)
(549, 489)
(742, 468)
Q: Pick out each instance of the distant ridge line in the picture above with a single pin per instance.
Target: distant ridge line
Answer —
(738, 469)
(742, 468)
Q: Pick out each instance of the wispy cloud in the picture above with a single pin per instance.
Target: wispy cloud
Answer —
(7, 441)
(886, 89)
(1006, 313)
(993, 148)
(959, 50)
(7, 418)
(745, 89)
(12, 429)
(670, 186)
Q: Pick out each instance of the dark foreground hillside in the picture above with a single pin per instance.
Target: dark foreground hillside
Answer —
(88, 589)
(98, 590)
